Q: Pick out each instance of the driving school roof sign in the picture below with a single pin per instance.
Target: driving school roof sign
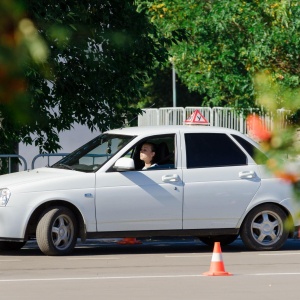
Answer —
(196, 118)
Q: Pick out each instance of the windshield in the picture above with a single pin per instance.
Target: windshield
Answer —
(91, 156)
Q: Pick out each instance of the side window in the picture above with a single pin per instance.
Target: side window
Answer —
(258, 156)
(205, 150)
(164, 152)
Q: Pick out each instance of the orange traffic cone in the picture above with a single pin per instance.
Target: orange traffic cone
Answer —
(129, 241)
(217, 266)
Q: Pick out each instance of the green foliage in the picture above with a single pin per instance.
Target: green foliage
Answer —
(20, 44)
(282, 142)
(229, 41)
(88, 61)
(99, 54)
(160, 91)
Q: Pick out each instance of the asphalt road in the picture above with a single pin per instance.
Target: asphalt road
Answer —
(156, 269)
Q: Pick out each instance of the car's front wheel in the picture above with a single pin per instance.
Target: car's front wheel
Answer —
(56, 231)
(263, 228)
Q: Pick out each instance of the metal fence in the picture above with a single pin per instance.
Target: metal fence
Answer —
(9, 157)
(43, 155)
(22, 163)
(216, 116)
(47, 155)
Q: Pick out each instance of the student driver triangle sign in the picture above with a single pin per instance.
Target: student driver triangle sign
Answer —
(196, 118)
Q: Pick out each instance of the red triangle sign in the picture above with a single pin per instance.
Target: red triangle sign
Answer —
(196, 118)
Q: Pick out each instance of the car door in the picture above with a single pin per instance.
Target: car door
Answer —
(220, 181)
(139, 199)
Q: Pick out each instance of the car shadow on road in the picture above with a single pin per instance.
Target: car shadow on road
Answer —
(146, 246)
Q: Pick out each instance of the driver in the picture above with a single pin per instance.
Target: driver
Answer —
(147, 154)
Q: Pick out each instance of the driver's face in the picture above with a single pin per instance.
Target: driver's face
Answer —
(146, 153)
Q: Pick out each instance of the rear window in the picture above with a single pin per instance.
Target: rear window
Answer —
(205, 150)
(258, 156)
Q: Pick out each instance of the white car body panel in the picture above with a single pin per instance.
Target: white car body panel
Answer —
(141, 200)
(177, 199)
(32, 188)
(210, 194)
(273, 190)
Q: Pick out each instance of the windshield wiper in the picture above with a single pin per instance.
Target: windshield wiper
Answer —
(63, 166)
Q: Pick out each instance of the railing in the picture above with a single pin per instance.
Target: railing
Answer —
(217, 116)
(10, 156)
(48, 155)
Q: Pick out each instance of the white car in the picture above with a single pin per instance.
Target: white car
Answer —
(207, 183)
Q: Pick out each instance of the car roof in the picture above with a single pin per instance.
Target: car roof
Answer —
(145, 130)
(169, 129)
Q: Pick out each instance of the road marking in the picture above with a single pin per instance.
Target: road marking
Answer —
(134, 277)
(91, 258)
(186, 256)
(4, 260)
(97, 278)
(273, 274)
(278, 254)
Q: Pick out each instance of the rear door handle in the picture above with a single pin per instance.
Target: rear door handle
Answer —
(170, 178)
(247, 174)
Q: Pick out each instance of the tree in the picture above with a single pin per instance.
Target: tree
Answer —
(242, 53)
(159, 90)
(98, 56)
(19, 44)
(230, 41)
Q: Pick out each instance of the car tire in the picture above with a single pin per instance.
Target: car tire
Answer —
(263, 228)
(223, 239)
(56, 231)
(11, 246)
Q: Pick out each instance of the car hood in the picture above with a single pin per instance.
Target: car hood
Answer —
(46, 179)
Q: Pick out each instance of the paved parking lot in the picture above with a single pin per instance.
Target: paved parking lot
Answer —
(155, 269)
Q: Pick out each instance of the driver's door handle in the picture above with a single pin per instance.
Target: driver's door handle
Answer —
(170, 178)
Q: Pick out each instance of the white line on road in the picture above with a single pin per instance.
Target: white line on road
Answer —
(84, 258)
(97, 278)
(134, 277)
(279, 254)
(6, 260)
(186, 256)
(273, 274)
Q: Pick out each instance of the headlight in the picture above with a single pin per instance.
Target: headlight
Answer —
(4, 196)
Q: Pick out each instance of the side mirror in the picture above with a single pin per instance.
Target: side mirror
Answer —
(124, 164)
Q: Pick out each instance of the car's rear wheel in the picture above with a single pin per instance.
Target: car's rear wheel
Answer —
(11, 246)
(263, 228)
(56, 232)
(223, 239)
